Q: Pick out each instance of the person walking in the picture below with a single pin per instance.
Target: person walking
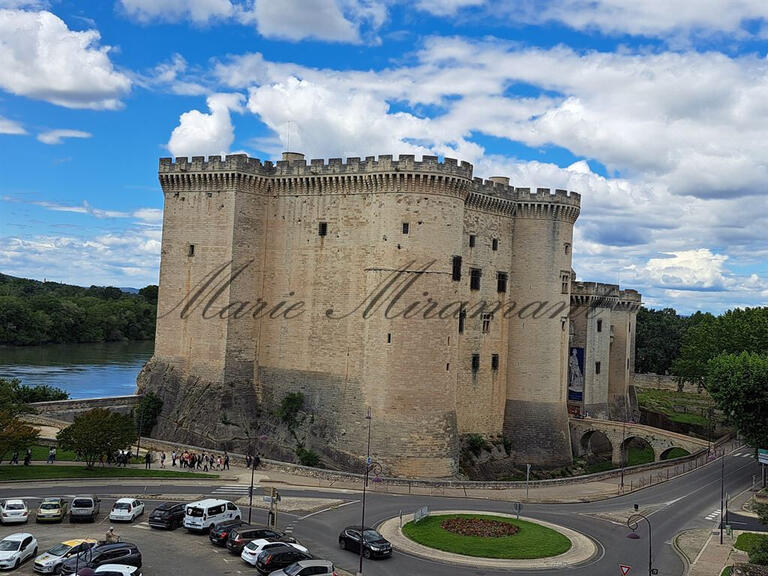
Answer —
(248, 460)
(162, 459)
(147, 460)
(28, 457)
(15, 458)
(173, 458)
(256, 460)
(226, 460)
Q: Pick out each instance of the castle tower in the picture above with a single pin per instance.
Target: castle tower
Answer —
(204, 361)
(536, 417)
(623, 330)
(590, 348)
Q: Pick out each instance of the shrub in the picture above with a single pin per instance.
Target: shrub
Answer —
(290, 407)
(307, 457)
(475, 443)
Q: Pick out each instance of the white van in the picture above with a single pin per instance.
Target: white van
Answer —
(203, 514)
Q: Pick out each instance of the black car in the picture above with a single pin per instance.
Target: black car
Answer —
(277, 558)
(119, 553)
(168, 515)
(219, 533)
(240, 536)
(374, 544)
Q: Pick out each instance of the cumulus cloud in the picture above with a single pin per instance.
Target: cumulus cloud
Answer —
(8, 126)
(57, 136)
(201, 134)
(446, 7)
(45, 60)
(198, 11)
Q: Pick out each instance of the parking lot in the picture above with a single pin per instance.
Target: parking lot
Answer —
(164, 552)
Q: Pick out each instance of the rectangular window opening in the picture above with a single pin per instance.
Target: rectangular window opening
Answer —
(565, 277)
(494, 362)
(567, 248)
(322, 229)
(474, 278)
(501, 282)
(191, 250)
(597, 367)
(405, 227)
(599, 325)
(462, 317)
(456, 273)
(475, 362)
(495, 244)
(448, 367)
(389, 338)
(471, 240)
(487, 323)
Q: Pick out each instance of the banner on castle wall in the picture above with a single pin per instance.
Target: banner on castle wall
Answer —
(576, 374)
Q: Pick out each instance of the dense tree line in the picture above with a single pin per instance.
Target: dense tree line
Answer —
(33, 312)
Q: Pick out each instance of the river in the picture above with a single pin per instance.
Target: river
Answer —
(83, 370)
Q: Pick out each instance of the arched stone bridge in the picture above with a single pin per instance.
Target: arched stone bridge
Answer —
(589, 435)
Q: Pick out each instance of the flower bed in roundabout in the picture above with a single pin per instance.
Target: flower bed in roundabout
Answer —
(487, 536)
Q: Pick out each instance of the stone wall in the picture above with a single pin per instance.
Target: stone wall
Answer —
(664, 382)
(67, 409)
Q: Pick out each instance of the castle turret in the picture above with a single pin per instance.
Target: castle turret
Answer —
(623, 330)
(536, 416)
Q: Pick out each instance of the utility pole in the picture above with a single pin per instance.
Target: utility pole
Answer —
(365, 485)
(250, 490)
(722, 492)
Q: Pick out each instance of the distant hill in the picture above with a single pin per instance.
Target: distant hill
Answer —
(34, 312)
(129, 290)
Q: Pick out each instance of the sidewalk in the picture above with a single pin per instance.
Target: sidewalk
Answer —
(715, 556)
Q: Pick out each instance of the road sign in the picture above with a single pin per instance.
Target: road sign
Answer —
(624, 569)
(762, 456)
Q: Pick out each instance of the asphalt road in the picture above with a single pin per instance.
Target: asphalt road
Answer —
(682, 503)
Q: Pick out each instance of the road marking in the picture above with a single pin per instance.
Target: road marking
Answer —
(713, 515)
(238, 489)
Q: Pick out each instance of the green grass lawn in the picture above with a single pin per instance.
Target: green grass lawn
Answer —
(726, 571)
(599, 467)
(41, 453)
(669, 402)
(636, 455)
(749, 541)
(532, 541)
(48, 472)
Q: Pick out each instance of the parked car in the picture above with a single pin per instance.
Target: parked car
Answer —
(118, 570)
(374, 544)
(50, 561)
(202, 514)
(16, 548)
(119, 553)
(84, 508)
(14, 512)
(252, 550)
(277, 558)
(241, 535)
(126, 510)
(307, 567)
(168, 515)
(219, 533)
(52, 510)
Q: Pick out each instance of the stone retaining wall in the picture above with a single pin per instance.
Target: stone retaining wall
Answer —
(67, 409)
(663, 382)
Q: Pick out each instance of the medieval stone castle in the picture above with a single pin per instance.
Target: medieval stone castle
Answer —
(443, 303)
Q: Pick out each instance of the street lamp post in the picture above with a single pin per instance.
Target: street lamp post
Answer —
(365, 485)
(722, 492)
(632, 522)
(250, 490)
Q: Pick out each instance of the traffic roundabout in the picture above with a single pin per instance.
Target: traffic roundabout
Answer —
(489, 539)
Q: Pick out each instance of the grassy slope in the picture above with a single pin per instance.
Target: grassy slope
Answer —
(46, 472)
(669, 401)
(532, 541)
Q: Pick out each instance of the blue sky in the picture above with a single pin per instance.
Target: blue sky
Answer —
(655, 111)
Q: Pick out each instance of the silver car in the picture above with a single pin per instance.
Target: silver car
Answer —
(13, 512)
(84, 508)
(307, 568)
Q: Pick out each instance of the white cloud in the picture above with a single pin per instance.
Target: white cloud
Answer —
(198, 11)
(446, 7)
(45, 60)
(8, 126)
(689, 270)
(647, 18)
(200, 134)
(57, 136)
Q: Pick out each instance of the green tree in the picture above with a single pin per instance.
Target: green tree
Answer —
(98, 432)
(658, 340)
(738, 383)
(15, 436)
(762, 512)
(146, 413)
(149, 293)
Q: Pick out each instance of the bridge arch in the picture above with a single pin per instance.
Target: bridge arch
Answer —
(673, 452)
(637, 450)
(596, 443)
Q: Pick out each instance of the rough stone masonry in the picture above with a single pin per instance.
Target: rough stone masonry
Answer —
(439, 301)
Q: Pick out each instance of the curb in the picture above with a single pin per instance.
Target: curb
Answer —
(401, 543)
(108, 478)
(683, 557)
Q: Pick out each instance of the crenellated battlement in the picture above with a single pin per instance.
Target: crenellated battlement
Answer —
(373, 164)
(230, 163)
(595, 294)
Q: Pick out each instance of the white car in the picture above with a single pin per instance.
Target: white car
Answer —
(49, 562)
(118, 570)
(252, 550)
(13, 511)
(126, 509)
(16, 548)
